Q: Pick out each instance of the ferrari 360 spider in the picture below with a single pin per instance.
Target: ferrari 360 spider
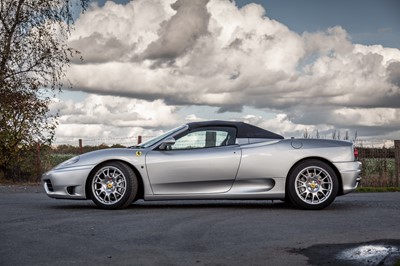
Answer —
(211, 160)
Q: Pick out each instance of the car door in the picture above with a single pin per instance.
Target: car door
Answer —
(204, 160)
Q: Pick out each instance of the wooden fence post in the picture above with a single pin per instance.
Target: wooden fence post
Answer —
(38, 161)
(139, 139)
(80, 146)
(397, 161)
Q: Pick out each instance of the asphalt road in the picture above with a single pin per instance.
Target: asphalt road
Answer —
(37, 230)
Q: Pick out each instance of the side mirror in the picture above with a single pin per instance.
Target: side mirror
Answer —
(166, 142)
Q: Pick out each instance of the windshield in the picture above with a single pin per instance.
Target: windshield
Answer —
(157, 139)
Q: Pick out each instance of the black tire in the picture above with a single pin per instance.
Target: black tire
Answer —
(312, 185)
(113, 185)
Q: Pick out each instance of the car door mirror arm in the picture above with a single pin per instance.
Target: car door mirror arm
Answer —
(167, 142)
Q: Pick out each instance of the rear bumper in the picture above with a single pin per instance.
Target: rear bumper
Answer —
(350, 173)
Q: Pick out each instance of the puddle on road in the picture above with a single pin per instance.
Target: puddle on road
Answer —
(368, 254)
(379, 252)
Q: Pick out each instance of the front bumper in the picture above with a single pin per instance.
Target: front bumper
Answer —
(350, 173)
(66, 183)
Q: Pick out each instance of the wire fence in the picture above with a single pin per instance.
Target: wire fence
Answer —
(381, 166)
(122, 141)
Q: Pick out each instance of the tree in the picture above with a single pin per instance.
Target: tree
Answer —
(24, 122)
(33, 57)
(334, 134)
(306, 135)
(355, 139)
(346, 137)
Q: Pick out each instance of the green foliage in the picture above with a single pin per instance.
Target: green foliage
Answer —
(22, 167)
(378, 172)
(51, 160)
(54, 156)
(33, 55)
(65, 149)
(24, 122)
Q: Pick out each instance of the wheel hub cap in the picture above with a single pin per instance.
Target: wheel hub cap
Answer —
(313, 185)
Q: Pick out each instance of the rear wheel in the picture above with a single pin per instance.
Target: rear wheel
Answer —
(113, 186)
(313, 185)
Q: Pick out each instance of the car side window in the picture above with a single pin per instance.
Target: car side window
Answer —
(205, 138)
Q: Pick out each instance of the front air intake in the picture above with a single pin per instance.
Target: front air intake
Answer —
(49, 185)
(70, 190)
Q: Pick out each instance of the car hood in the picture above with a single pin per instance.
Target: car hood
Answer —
(132, 156)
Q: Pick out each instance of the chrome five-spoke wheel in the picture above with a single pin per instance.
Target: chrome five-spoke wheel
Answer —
(113, 185)
(312, 185)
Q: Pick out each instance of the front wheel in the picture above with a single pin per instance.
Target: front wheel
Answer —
(113, 185)
(313, 185)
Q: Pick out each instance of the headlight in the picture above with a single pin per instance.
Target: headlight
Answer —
(68, 162)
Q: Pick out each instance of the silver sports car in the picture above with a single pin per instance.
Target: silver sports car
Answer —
(211, 160)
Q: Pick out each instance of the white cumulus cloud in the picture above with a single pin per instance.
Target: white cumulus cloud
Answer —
(213, 53)
(100, 117)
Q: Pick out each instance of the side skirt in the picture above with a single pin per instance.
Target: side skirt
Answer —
(249, 189)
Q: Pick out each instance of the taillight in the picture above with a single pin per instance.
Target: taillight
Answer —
(355, 154)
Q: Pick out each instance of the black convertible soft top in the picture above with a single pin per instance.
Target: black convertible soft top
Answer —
(243, 130)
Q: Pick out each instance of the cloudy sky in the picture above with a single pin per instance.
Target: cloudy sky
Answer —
(287, 66)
